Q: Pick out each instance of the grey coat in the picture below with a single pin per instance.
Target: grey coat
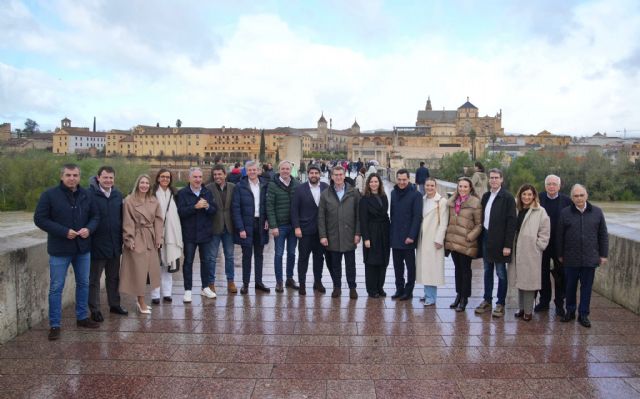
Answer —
(339, 221)
(222, 217)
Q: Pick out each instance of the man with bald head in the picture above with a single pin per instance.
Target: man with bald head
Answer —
(582, 243)
(553, 201)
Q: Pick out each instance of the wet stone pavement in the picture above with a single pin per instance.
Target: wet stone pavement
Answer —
(283, 345)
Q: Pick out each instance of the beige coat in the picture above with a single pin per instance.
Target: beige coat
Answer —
(524, 271)
(142, 226)
(429, 260)
(464, 229)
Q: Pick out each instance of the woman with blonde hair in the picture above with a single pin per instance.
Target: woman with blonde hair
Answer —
(465, 226)
(430, 251)
(532, 237)
(142, 236)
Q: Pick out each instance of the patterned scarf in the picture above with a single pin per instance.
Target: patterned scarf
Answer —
(459, 201)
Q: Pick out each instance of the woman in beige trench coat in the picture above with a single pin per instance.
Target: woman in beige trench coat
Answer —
(532, 237)
(142, 236)
(430, 251)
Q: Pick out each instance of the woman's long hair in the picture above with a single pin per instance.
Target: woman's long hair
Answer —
(135, 192)
(521, 190)
(367, 189)
(156, 184)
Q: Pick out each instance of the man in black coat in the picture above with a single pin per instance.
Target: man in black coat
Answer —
(422, 174)
(69, 216)
(582, 242)
(499, 226)
(304, 219)
(406, 218)
(553, 201)
(106, 243)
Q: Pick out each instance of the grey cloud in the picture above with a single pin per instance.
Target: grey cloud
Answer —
(631, 64)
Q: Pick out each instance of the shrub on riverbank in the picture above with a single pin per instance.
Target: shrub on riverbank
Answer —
(24, 176)
(605, 179)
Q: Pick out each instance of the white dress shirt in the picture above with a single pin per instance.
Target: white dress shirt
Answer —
(255, 189)
(487, 209)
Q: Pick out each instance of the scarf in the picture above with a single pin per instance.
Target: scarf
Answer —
(459, 201)
(172, 247)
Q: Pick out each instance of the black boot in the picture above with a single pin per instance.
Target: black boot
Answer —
(462, 305)
(456, 302)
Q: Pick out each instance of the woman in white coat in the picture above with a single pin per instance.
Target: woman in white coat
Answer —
(430, 251)
(171, 251)
(532, 237)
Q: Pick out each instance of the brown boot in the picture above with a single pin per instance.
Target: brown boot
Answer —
(231, 287)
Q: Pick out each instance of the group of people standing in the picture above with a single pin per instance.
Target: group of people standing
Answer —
(140, 240)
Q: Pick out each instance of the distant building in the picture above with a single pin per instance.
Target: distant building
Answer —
(5, 132)
(436, 133)
(36, 141)
(71, 140)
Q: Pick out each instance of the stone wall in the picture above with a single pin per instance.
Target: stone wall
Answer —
(619, 279)
(24, 284)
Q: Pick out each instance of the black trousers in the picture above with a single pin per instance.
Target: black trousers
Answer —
(463, 273)
(336, 268)
(307, 245)
(558, 281)
(402, 258)
(111, 269)
(256, 248)
(374, 276)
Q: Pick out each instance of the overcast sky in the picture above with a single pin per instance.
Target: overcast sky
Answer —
(571, 67)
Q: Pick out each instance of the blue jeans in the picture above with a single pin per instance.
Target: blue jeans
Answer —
(227, 247)
(501, 271)
(430, 293)
(287, 235)
(584, 275)
(58, 266)
(204, 249)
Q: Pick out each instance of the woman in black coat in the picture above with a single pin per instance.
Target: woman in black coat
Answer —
(374, 227)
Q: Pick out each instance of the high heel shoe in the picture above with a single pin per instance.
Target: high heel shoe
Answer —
(456, 302)
(462, 305)
(146, 311)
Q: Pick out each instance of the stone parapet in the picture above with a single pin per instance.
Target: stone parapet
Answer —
(24, 283)
(619, 279)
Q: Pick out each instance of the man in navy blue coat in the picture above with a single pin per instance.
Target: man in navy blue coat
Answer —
(69, 216)
(196, 208)
(106, 243)
(249, 212)
(582, 242)
(422, 174)
(406, 217)
(304, 219)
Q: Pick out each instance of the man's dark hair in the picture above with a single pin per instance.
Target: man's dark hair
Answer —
(107, 169)
(69, 166)
(496, 171)
(421, 163)
(314, 167)
(218, 167)
(402, 172)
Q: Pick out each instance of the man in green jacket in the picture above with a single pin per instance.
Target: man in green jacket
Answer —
(279, 194)
(339, 229)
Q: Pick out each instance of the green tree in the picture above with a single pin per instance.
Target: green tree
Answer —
(262, 157)
(452, 165)
(30, 127)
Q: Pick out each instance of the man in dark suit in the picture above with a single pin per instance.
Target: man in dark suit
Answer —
(553, 201)
(499, 227)
(304, 218)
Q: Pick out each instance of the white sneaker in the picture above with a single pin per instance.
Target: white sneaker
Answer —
(187, 297)
(208, 293)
